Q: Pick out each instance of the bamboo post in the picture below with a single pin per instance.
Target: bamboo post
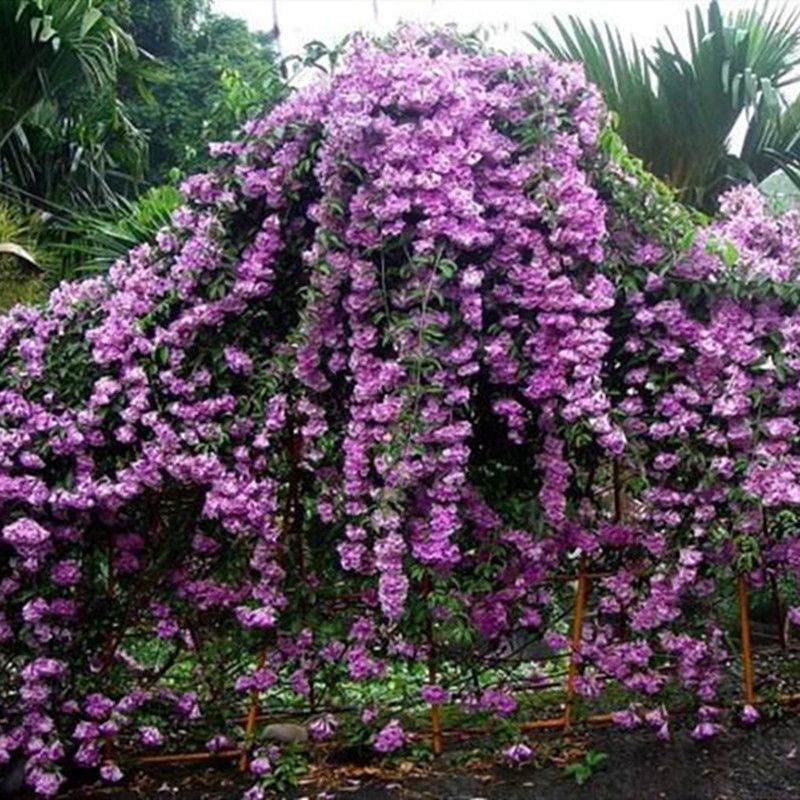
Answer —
(437, 745)
(747, 657)
(252, 716)
(581, 591)
(188, 758)
(436, 718)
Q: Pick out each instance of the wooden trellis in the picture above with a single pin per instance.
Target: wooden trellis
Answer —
(566, 720)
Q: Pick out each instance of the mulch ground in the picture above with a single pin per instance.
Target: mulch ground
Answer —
(758, 764)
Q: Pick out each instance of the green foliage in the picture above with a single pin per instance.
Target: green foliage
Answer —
(677, 111)
(286, 773)
(18, 285)
(159, 26)
(97, 96)
(50, 47)
(216, 76)
(93, 241)
(582, 771)
(649, 202)
(64, 133)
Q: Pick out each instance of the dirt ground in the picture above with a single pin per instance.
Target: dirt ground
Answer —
(758, 764)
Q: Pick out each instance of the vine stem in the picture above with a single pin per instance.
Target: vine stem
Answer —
(291, 523)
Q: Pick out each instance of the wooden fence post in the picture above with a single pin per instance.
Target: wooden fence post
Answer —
(747, 656)
(252, 716)
(581, 591)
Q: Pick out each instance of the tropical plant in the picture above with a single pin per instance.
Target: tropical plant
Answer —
(64, 133)
(98, 95)
(93, 240)
(677, 111)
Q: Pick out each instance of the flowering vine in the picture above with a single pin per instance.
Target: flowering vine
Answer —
(390, 348)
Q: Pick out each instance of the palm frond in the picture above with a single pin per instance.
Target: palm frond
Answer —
(677, 108)
(91, 242)
(54, 141)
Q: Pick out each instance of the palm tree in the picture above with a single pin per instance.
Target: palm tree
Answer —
(60, 115)
(676, 111)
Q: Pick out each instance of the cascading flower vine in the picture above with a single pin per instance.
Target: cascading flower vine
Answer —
(393, 343)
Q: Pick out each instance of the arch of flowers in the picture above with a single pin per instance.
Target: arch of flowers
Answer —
(368, 392)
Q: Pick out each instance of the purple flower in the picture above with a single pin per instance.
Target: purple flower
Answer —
(434, 694)
(749, 715)
(186, 706)
(150, 736)
(44, 668)
(260, 766)
(390, 738)
(110, 772)
(627, 719)
(87, 755)
(238, 361)
(556, 641)
(167, 628)
(98, 706)
(65, 573)
(705, 730)
(323, 727)
(518, 753)
(299, 682)
(43, 782)
(28, 538)
(499, 701)
(217, 743)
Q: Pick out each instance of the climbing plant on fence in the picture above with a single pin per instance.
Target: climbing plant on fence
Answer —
(358, 411)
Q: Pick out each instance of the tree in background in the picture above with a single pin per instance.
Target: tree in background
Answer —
(214, 74)
(210, 73)
(677, 111)
(160, 26)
